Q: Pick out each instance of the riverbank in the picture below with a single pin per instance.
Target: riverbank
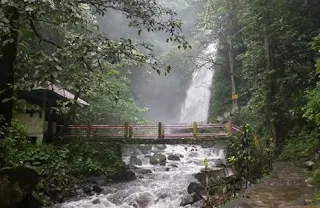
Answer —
(287, 186)
(59, 172)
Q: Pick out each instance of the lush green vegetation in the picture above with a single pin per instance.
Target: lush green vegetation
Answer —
(67, 42)
(250, 155)
(271, 47)
(60, 167)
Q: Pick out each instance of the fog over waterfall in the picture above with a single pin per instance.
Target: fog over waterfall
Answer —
(196, 104)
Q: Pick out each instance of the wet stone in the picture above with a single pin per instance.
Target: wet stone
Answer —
(96, 201)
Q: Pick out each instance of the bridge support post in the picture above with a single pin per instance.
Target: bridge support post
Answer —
(88, 130)
(130, 132)
(229, 127)
(159, 130)
(195, 129)
(126, 130)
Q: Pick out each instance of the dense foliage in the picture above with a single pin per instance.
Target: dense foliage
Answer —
(59, 167)
(271, 49)
(74, 50)
(68, 44)
(250, 155)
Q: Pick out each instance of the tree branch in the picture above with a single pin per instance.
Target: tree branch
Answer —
(40, 36)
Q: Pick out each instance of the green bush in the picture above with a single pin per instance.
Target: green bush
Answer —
(91, 157)
(249, 155)
(316, 177)
(58, 166)
(301, 146)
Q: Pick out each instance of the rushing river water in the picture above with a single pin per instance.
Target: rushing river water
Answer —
(163, 188)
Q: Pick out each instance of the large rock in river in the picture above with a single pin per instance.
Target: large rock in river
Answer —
(174, 157)
(16, 186)
(211, 173)
(190, 199)
(145, 148)
(130, 175)
(161, 146)
(158, 159)
(196, 187)
(134, 160)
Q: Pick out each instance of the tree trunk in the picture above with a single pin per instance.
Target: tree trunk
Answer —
(8, 54)
(231, 66)
(276, 128)
(70, 114)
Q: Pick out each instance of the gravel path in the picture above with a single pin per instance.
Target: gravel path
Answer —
(285, 187)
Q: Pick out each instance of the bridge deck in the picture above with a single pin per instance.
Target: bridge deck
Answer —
(151, 134)
(149, 140)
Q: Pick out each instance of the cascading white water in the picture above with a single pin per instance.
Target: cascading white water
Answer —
(162, 188)
(196, 104)
(166, 186)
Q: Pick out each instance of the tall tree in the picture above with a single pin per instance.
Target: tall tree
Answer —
(80, 47)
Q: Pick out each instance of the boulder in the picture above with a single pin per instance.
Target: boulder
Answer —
(196, 187)
(87, 190)
(174, 157)
(16, 185)
(135, 152)
(96, 201)
(309, 165)
(161, 147)
(219, 163)
(92, 189)
(190, 199)
(180, 155)
(142, 171)
(163, 163)
(209, 145)
(134, 160)
(144, 148)
(158, 159)
(167, 169)
(173, 165)
(212, 173)
(130, 175)
(97, 189)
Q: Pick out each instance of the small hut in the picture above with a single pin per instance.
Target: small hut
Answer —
(42, 122)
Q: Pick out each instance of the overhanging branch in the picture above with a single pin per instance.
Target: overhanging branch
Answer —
(40, 36)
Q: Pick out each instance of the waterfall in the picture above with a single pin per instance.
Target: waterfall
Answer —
(165, 186)
(196, 104)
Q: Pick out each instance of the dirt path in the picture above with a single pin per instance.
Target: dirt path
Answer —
(285, 187)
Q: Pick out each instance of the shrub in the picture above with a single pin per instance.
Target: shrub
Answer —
(301, 146)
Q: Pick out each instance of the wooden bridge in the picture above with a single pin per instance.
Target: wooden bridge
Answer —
(193, 133)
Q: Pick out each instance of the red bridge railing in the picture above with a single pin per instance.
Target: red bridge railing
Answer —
(150, 131)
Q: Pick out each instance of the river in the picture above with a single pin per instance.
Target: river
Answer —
(165, 187)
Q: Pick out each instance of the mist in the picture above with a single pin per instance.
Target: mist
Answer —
(162, 94)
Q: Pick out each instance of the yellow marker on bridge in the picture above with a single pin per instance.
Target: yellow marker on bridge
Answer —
(195, 129)
(162, 132)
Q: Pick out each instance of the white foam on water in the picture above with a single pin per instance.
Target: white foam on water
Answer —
(159, 189)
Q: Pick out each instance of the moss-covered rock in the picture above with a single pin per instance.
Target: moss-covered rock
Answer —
(158, 159)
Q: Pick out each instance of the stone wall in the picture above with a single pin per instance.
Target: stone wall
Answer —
(35, 124)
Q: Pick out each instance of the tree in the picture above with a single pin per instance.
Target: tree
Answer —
(273, 59)
(78, 44)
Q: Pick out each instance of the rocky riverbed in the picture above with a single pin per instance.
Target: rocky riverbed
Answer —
(158, 177)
